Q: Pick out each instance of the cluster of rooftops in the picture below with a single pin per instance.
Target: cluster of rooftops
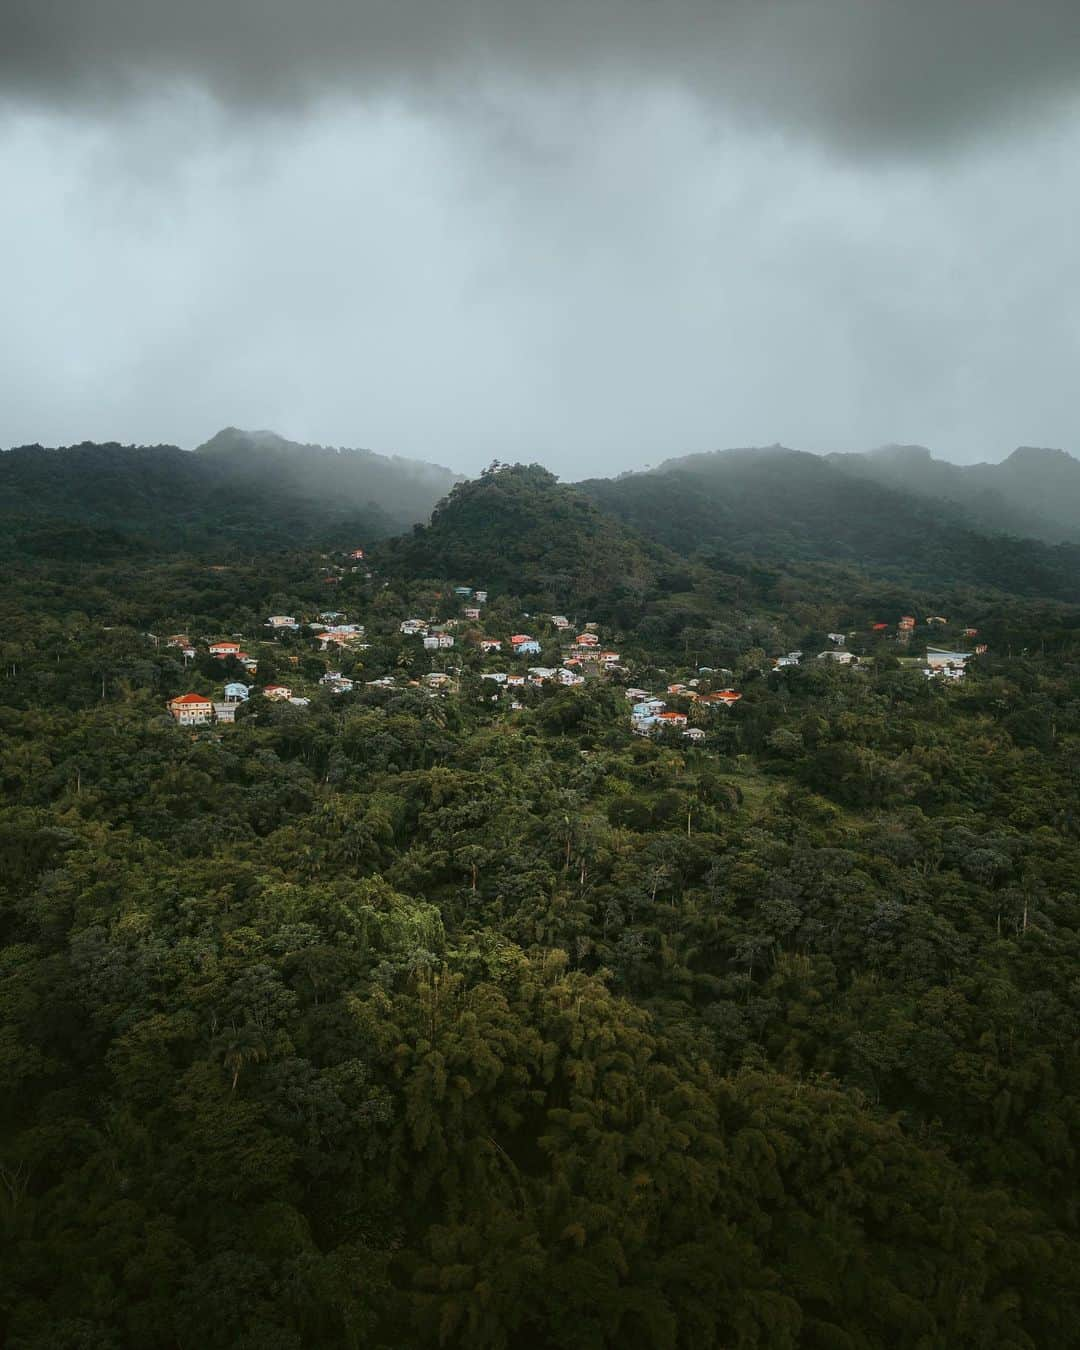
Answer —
(583, 653)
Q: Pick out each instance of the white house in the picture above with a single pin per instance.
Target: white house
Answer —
(570, 677)
(840, 658)
(950, 665)
(282, 621)
(411, 627)
(224, 712)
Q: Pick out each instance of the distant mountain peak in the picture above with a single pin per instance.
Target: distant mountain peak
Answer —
(1039, 455)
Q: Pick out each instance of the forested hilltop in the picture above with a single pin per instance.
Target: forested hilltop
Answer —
(783, 504)
(542, 929)
(240, 490)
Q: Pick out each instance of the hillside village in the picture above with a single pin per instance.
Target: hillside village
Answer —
(466, 645)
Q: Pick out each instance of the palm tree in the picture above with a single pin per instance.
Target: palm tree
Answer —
(239, 1046)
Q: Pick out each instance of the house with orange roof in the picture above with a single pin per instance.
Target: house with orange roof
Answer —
(191, 710)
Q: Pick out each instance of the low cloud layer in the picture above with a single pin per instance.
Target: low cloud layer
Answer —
(864, 76)
(592, 232)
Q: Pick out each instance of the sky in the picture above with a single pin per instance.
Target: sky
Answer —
(593, 233)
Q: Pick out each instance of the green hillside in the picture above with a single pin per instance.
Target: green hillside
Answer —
(109, 499)
(784, 506)
(517, 529)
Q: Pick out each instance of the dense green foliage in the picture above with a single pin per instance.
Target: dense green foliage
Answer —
(524, 532)
(418, 1020)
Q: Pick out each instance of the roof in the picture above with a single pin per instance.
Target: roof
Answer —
(190, 698)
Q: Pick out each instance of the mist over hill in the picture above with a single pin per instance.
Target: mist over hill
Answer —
(785, 505)
(1034, 491)
(329, 476)
(239, 488)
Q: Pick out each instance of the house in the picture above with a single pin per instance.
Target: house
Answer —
(671, 719)
(609, 658)
(570, 677)
(464, 591)
(560, 621)
(836, 638)
(248, 662)
(357, 555)
(676, 688)
(981, 649)
(188, 653)
(515, 680)
(785, 661)
(839, 658)
(937, 620)
(383, 682)
(224, 649)
(490, 645)
(472, 612)
(191, 710)
(331, 615)
(947, 663)
(178, 640)
(481, 597)
(636, 695)
(587, 640)
(282, 621)
(341, 635)
(300, 702)
(411, 627)
(907, 623)
(722, 698)
(499, 676)
(437, 680)
(879, 627)
(971, 632)
(435, 642)
(224, 712)
(539, 674)
(336, 682)
(648, 707)
(693, 734)
(278, 693)
(235, 692)
(524, 645)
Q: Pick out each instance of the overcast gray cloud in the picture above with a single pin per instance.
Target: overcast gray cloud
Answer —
(595, 233)
(860, 73)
